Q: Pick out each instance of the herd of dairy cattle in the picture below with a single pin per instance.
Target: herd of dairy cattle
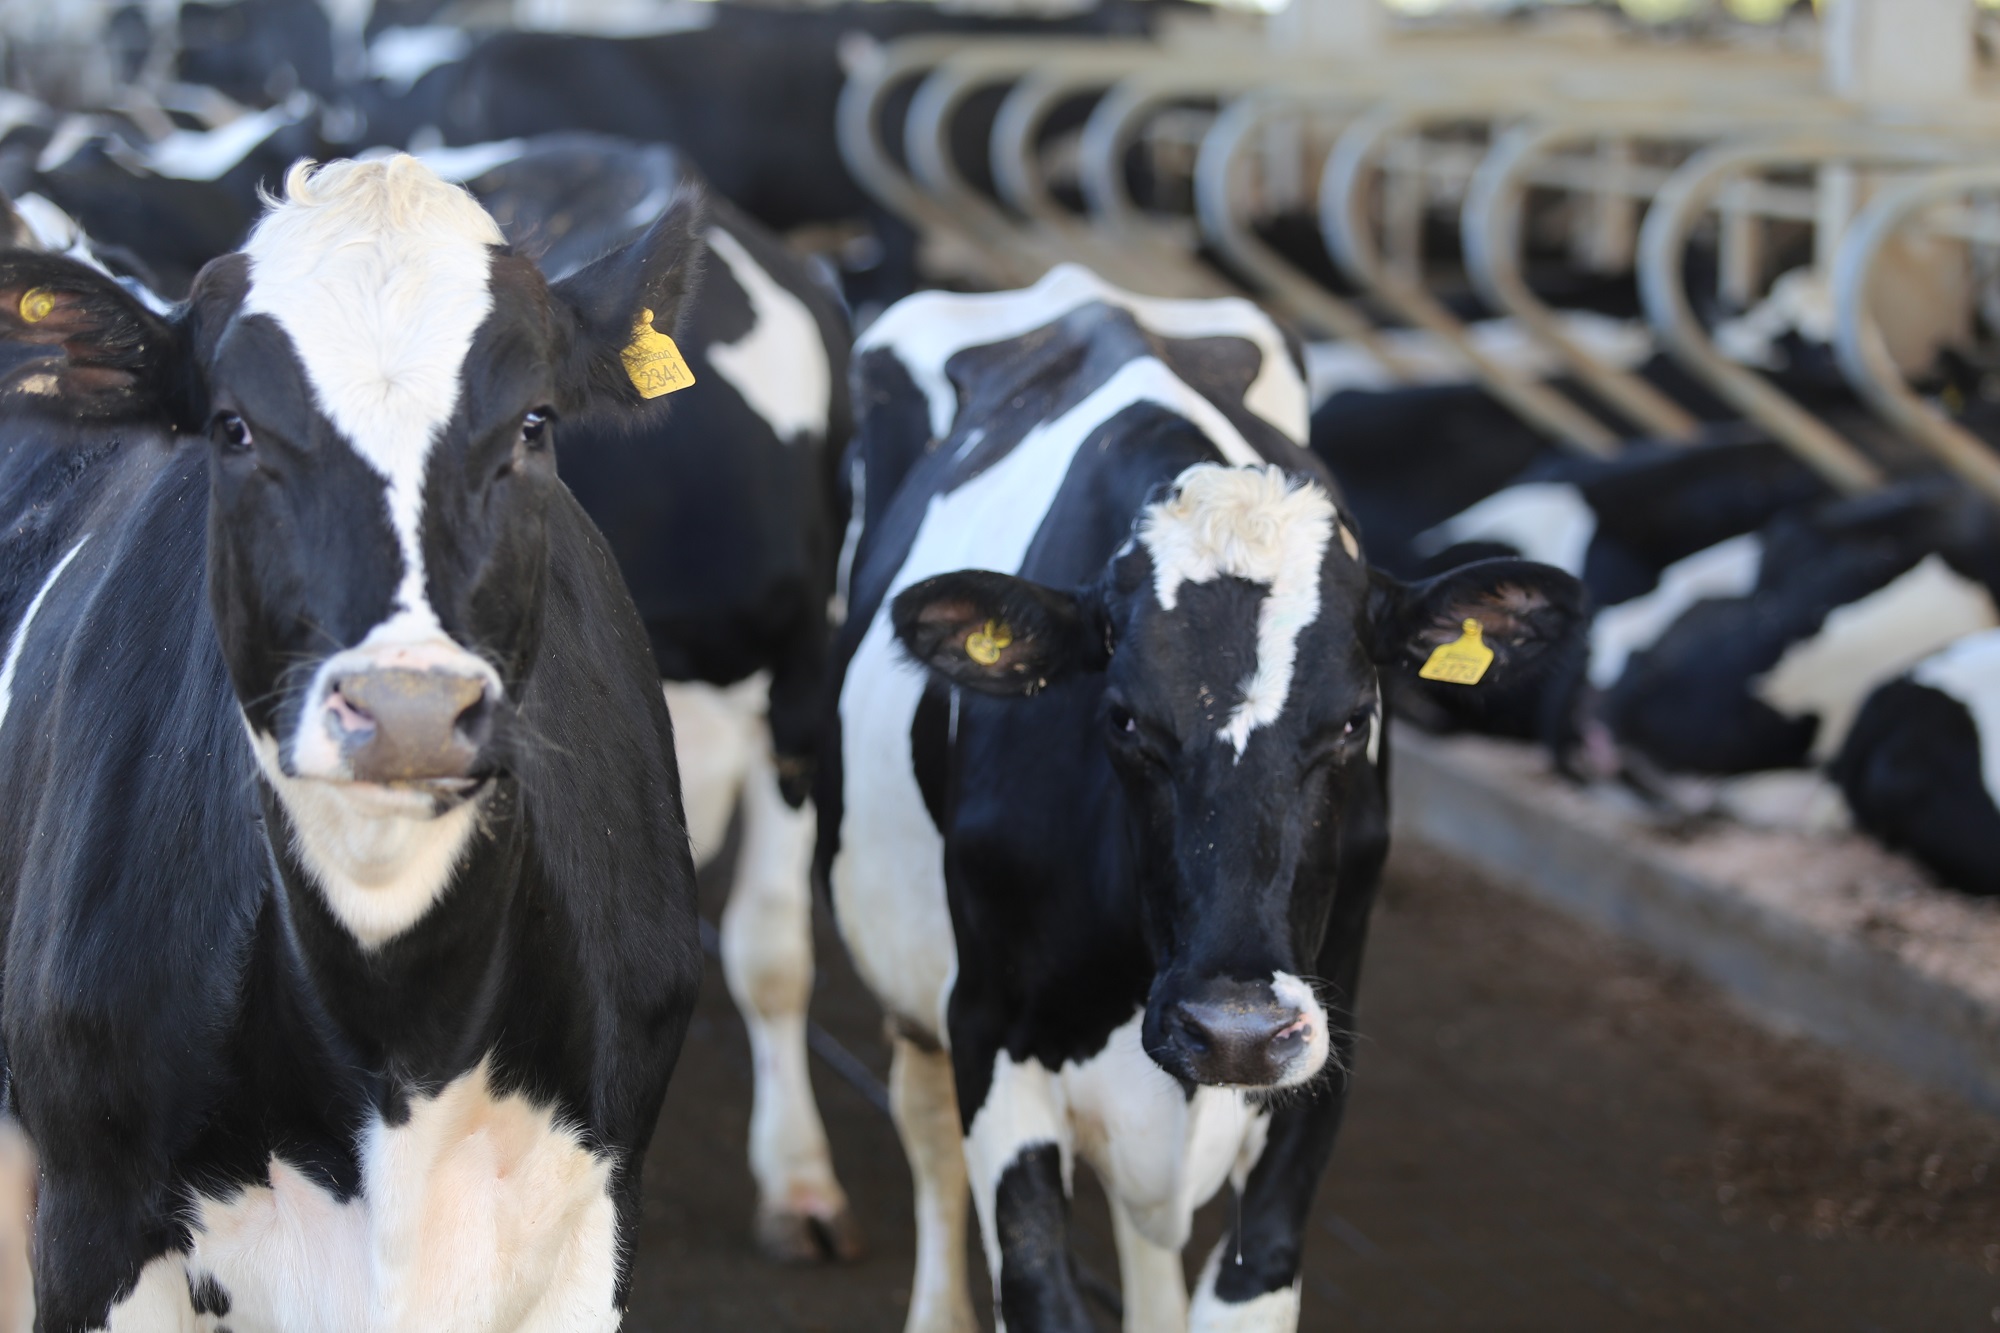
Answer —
(1055, 635)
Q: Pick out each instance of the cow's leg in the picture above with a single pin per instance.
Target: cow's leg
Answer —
(925, 1102)
(1017, 1149)
(1149, 1279)
(17, 1223)
(802, 1213)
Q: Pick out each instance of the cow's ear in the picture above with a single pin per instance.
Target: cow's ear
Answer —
(75, 343)
(1528, 616)
(624, 308)
(996, 633)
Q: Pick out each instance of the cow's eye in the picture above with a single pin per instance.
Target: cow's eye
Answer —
(230, 433)
(535, 428)
(1121, 720)
(1358, 724)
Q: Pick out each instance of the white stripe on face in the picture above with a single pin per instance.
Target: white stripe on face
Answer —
(379, 274)
(1250, 523)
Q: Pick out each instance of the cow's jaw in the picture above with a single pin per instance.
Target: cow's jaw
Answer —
(380, 856)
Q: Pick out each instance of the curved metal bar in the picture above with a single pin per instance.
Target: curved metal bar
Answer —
(1664, 235)
(927, 145)
(858, 115)
(1491, 232)
(1349, 235)
(1218, 203)
(1858, 342)
(1017, 171)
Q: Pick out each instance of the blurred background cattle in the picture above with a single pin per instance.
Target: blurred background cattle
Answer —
(1696, 300)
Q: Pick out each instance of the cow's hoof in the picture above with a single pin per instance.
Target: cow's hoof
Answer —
(807, 1238)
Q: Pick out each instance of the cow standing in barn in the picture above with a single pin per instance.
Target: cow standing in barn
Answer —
(719, 505)
(351, 933)
(1106, 848)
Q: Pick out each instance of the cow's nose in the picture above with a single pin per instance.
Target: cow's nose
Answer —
(1238, 1034)
(400, 725)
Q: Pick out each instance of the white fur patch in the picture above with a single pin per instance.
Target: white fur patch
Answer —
(1549, 521)
(379, 274)
(1726, 569)
(1800, 302)
(1252, 523)
(1297, 993)
(1023, 1111)
(928, 329)
(19, 641)
(1160, 1153)
(480, 1211)
(401, 56)
(196, 155)
(1273, 1312)
(780, 366)
(1969, 671)
(1867, 642)
(379, 855)
(470, 161)
(888, 876)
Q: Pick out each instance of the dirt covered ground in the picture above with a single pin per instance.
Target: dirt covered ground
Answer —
(1548, 1132)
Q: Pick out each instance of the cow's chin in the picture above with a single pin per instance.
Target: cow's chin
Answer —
(411, 798)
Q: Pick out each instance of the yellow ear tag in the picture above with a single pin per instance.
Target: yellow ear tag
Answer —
(37, 304)
(983, 645)
(1463, 661)
(652, 360)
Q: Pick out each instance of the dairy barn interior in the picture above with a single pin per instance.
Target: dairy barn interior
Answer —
(761, 666)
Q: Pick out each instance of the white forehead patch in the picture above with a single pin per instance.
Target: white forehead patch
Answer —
(379, 273)
(1252, 523)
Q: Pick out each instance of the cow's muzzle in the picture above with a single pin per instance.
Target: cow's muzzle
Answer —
(1241, 1034)
(406, 725)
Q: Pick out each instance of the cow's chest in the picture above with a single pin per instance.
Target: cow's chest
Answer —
(1159, 1152)
(477, 1212)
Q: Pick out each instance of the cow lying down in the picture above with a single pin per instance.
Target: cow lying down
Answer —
(350, 923)
(1921, 766)
(1109, 809)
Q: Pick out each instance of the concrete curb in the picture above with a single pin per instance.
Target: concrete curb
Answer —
(1835, 975)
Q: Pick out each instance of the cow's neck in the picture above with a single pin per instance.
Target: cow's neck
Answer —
(418, 1005)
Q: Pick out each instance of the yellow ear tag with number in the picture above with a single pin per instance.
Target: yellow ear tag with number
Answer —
(654, 363)
(983, 645)
(37, 304)
(1463, 661)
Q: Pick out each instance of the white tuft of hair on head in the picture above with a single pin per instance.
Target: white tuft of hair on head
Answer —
(1257, 524)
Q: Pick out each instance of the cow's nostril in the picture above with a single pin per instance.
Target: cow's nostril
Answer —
(348, 721)
(475, 724)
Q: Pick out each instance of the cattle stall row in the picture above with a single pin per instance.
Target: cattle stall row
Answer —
(890, 430)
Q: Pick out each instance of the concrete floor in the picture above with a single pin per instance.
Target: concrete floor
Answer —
(1547, 1133)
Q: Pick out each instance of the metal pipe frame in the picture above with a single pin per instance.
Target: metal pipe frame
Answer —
(1858, 344)
(1671, 221)
(1349, 235)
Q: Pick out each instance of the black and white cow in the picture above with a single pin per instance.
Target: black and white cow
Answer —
(1758, 652)
(1921, 767)
(1108, 862)
(351, 933)
(1615, 524)
(719, 505)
